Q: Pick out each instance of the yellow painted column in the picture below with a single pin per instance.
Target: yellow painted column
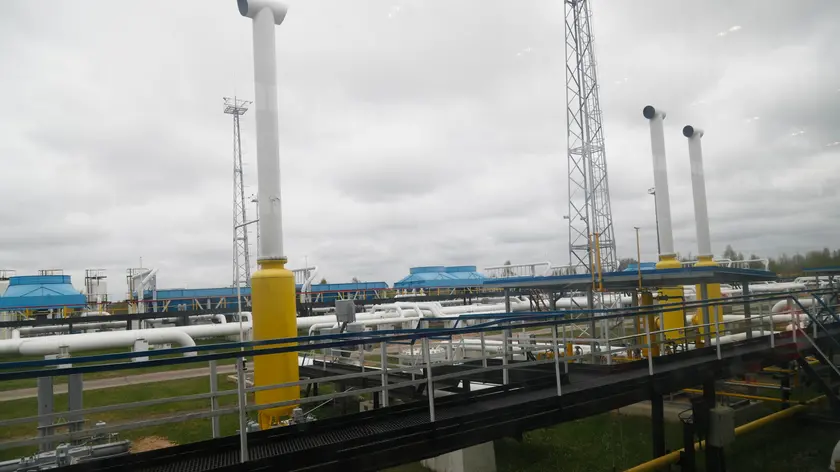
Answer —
(674, 318)
(274, 316)
(713, 293)
(646, 300)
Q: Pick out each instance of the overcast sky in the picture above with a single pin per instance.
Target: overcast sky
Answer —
(413, 132)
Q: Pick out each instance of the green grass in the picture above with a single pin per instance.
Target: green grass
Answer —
(609, 442)
(179, 433)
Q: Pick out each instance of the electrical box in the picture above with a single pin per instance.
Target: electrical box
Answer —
(345, 311)
(525, 339)
(721, 426)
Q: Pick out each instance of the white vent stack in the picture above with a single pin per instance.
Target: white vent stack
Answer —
(698, 186)
(660, 179)
(266, 14)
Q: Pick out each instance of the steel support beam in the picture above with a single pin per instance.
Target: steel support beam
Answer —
(657, 423)
(45, 407)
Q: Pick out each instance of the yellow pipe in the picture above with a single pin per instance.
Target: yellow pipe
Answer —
(648, 320)
(753, 384)
(776, 369)
(713, 292)
(673, 457)
(598, 262)
(738, 395)
(274, 317)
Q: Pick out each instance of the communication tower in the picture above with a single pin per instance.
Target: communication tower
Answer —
(241, 255)
(590, 215)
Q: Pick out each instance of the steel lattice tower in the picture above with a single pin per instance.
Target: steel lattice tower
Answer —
(589, 195)
(241, 256)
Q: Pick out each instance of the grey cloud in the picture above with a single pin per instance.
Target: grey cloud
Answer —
(435, 135)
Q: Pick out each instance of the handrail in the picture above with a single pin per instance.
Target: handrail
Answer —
(351, 339)
(815, 319)
(487, 322)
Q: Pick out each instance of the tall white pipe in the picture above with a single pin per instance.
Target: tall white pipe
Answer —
(266, 14)
(660, 178)
(698, 186)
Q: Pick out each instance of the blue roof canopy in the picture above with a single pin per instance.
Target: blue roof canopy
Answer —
(440, 277)
(41, 291)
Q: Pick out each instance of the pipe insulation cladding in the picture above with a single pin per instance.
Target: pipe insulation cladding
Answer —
(660, 178)
(266, 14)
(698, 185)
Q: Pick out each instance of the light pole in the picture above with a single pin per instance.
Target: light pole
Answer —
(638, 256)
(651, 191)
(256, 201)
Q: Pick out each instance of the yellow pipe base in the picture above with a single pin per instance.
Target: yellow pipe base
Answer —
(671, 320)
(274, 316)
(714, 292)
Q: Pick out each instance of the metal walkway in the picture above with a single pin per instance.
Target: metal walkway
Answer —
(391, 436)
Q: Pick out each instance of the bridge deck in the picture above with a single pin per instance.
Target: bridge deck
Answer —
(390, 436)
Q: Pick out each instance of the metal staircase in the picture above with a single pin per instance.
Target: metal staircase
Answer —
(824, 374)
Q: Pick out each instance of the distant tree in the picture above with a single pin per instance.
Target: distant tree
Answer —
(507, 272)
(323, 281)
(626, 262)
(730, 253)
(355, 280)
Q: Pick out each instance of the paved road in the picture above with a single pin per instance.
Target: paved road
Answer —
(98, 384)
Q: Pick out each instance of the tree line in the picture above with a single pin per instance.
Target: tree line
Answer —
(783, 264)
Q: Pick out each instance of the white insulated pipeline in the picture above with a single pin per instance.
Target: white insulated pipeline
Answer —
(660, 178)
(182, 336)
(76, 326)
(731, 338)
(402, 310)
(698, 186)
(777, 287)
(375, 322)
(786, 306)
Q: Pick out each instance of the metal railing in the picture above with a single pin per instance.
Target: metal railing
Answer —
(409, 358)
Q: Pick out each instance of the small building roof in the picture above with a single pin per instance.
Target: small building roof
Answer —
(441, 277)
(41, 291)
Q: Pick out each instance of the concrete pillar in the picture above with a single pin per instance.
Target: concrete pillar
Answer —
(140, 345)
(479, 458)
(75, 389)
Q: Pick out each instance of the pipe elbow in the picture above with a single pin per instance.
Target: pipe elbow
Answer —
(692, 132)
(650, 113)
(250, 8)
